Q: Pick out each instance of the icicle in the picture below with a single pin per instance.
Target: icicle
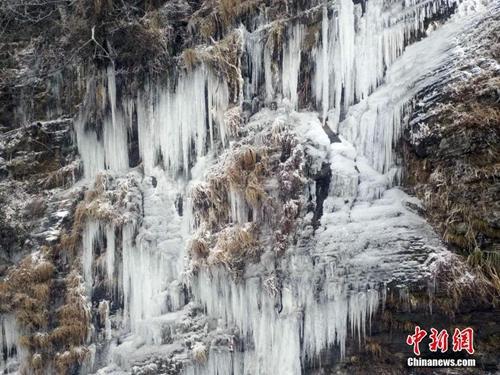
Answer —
(104, 317)
(254, 47)
(90, 149)
(324, 74)
(169, 127)
(153, 259)
(239, 209)
(277, 335)
(9, 335)
(115, 144)
(89, 238)
(291, 64)
(268, 73)
(375, 124)
(110, 73)
(110, 152)
(110, 253)
(357, 48)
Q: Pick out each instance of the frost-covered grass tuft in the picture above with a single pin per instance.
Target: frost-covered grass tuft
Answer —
(223, 57)
(200, 354)
(235, 245)
(27, 292)
(250, 200)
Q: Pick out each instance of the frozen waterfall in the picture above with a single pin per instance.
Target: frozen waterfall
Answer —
(367, 66)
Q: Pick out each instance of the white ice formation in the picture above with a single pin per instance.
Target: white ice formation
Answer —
(366, 67)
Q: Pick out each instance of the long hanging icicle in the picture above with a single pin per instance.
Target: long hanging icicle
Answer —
(170, 131)
(291, 65)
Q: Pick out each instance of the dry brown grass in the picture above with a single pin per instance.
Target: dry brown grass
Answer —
(235, 245)
(217, 16)
(233, 120)
(64, 361)
(223, 57)
(276, 36)
(199, 249)
(254, 192)
(26, 291)
(190, 58)
(461, 281)
(200, 354)
(242, 171)
(260, 183)
(62, 176)
(73, 324)
(107, 201)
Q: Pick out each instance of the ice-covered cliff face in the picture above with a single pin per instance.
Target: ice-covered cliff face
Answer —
(244, 216)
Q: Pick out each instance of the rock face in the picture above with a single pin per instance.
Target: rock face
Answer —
(226, 187)
(453, 151)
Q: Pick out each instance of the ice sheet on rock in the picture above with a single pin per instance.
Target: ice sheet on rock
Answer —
(153, 256)
(164, 342)
(91, 150)
(375, 124)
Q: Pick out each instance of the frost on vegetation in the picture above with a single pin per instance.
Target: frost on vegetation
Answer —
(464, 116)
(214, 16)
(112, 199)
(199, 352)
(223, 58)
(252, 194)
(26, 296)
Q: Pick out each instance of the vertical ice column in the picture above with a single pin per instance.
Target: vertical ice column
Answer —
(90, 148)
(357, 48)
(254, 48)
(346, 50)
(110, 253)
(321, 321)
(324, 73)
(103, 309)
(109, 152)
(115, 130)
(116, 144)
(172, 123)
(9, 335)
(218, 101)
(90, 236)
(291, 64)
(239, 208)
(268, 72)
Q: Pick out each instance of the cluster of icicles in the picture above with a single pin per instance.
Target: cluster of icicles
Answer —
(179, 126)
